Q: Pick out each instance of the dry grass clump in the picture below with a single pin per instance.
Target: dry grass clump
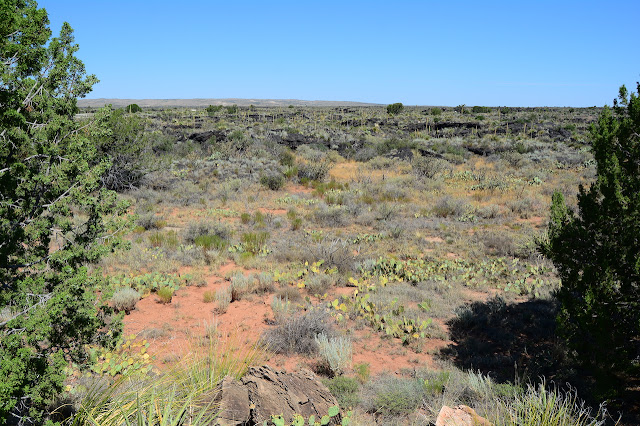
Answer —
(125, 299)
(297, 334)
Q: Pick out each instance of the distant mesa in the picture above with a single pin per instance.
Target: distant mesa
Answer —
(172, 103)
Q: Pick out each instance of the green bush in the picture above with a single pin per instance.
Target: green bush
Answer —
(314, 170)
(480, 109)
(132, 108)
(429, 167)
(165, 295)
(273, 181)
(395, 109)
(125, 148)
(345, 389)
(213, 109)
(50, 181)
(597, 251)
(254, 242)
(390, 396)
(210, 241)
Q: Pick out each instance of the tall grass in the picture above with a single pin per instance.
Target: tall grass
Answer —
(540, 406)
(184, 395)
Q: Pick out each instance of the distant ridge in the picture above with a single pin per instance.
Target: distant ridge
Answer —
(171, 103)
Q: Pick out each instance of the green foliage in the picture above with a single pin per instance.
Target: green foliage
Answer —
(255, 242)
(232, 109)
(597, 251)
(298, 420)
(436, 111)
(389, 396)
(165, 294)
(345, 389)
(213, 109)
(313, 171)
(395, 109)
(480, 109)
(128, 357)
(272, 181)
(132, 108)
(122, 144)
(210, 241)
(146, 283)
(55, 214)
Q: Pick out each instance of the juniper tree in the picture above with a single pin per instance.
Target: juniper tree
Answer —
(596, 249)
(55, 215)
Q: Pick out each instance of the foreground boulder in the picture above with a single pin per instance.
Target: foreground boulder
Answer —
(264, 392)
(460, 415)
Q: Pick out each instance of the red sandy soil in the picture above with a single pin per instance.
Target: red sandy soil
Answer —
(174, 330)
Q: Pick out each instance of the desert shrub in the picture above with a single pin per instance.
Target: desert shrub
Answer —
(263, 283)
(272, 181)
(319, 283)
(525, 207)
(296, 223)
(213, 109)
(125, 299)
(312, 153)
(429, 167)
(391, 396)
(345, 389)
(490, 211)
(435, 111)
(335, 252)
(232, 109)
(381, 163)
(240, 285)
(282, 308)
(336, 351)
(480, 109)
(362, 371)
(394, 144)
(286, 158)
(331, 216)
(367, 153)
(498, 243)
(290, 293)
(199, 229)
(165, 294)
(223, 299)
(450, 207)
(314, 170)
(209, 296)
(132, 108)
(254, 242)
(297, 334)
(125, 148)
(150, 221)
(395, 108)
(210, 241)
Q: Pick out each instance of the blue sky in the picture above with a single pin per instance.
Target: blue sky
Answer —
(516, 53)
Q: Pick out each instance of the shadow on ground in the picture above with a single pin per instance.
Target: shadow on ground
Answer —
(510, 342)
(506, 341)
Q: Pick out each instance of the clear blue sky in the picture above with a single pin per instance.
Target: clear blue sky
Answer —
(516, 53)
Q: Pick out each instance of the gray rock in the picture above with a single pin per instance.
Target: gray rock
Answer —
(264, 392)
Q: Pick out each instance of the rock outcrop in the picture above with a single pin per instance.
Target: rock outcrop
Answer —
(264, 392)
(460, 415)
